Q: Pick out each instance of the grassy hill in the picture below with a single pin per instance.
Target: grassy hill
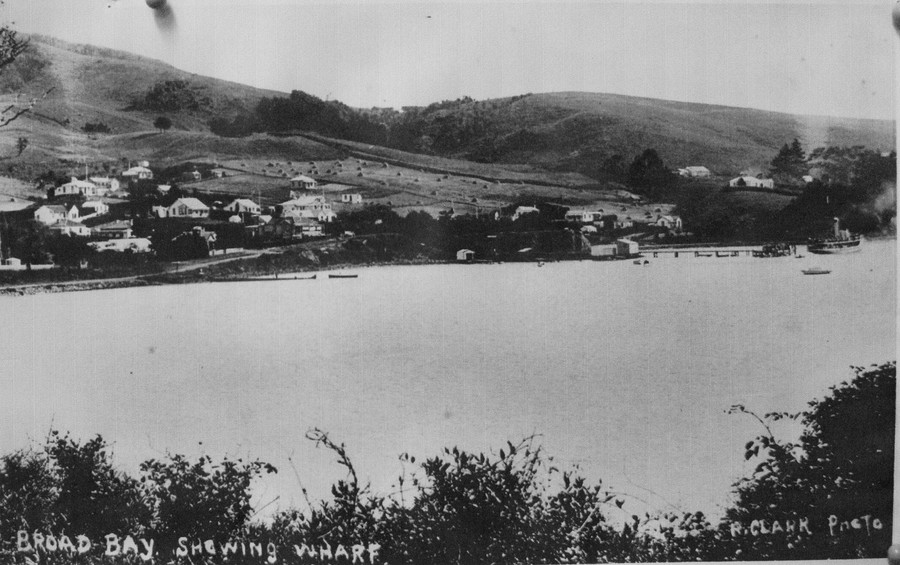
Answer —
(553, 146)
(93, 84)
(567, 131)
(578, 131)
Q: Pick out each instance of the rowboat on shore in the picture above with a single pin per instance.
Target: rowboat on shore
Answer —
(342, 276)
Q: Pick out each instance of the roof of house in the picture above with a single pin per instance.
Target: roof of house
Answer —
(101, 179)
(55, 208)
(66, 223)
(114, 225)
(302, 201)
(191, 203)
(76, 182)
(92, 204)
(133, 171)
(302, 178)
(697, 168)
(244, 202)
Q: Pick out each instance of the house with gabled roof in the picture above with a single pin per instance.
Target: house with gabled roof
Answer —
(76, 186)
(695, 171)
(187, 208)
(51, 213)
(119, 229)
(138, 173)
(105, 185)
(69, 227)
(243, 206)
(303, 182)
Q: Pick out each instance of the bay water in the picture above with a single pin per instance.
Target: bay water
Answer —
(623, 370)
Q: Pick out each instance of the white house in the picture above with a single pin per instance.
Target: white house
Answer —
(105, 184)
(669, 222)
(751, 182)
(698, 172)
(582, 216)
(522, 210)
(351, 198)
(138, 173)
(93, 208)
(317, 207)
(119, 229)
(303, 182)
(69, 227)
(808, 179)
(244, 206)
(51, 213)
(187, 208)
(76, 186)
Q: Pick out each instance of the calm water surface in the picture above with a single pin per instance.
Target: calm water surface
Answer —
(624, 370)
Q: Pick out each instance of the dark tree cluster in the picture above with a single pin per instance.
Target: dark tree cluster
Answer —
(512, 505)
(172, 96)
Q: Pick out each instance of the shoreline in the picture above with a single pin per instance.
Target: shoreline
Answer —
(198, 273)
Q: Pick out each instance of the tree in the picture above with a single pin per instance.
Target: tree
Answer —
(840, 470)
(648, 172)
(201, 499)
(162, 123)
(790, 163)
(10, 49)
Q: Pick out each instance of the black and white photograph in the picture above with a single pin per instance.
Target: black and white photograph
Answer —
(458, 282)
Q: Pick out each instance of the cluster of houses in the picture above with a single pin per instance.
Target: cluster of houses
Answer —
(598, 219)
(743, 180)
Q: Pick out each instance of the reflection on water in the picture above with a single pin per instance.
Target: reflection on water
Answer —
(625, 370)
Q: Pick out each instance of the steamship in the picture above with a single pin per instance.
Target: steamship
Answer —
(842, 241)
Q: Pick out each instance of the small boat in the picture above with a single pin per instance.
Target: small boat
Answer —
(637, 261)
(701, 254)
(342, 276)
(540, 263)
(815, 271)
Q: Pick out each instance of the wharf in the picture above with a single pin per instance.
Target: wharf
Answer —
(700, 251)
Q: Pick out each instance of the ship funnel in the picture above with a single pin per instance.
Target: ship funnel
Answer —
(837, 228)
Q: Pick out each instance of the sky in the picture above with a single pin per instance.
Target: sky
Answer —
(823, 58)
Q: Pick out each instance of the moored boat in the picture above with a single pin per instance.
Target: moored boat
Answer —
(842, 241)
(342, 276)
(816, 271)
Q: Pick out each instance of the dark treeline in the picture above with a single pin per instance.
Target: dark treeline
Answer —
(462, 126)
(826, 495)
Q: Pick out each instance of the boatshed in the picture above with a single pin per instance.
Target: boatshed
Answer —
(605, 251)
(626, 248)
(465, 255)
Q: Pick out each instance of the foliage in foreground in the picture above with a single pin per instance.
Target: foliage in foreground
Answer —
(512, 506)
